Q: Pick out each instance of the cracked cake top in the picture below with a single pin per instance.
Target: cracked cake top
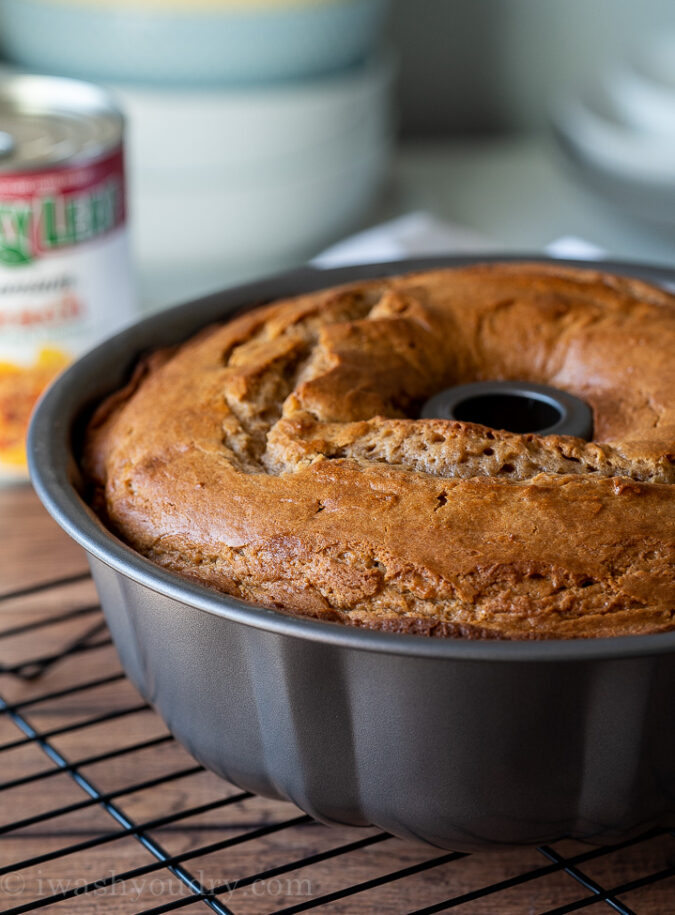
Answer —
(279, 457)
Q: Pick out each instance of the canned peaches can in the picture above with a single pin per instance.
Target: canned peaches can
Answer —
(65, 269)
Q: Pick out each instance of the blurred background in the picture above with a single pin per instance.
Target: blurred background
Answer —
(261, 132)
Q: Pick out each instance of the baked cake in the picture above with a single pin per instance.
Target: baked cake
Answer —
(279, 457)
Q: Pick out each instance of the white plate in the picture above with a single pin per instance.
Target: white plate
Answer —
(632, 168)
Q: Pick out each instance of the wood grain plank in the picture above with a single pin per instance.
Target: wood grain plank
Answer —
(33, 547)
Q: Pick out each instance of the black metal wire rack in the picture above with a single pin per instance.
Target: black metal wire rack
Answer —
(100, 809)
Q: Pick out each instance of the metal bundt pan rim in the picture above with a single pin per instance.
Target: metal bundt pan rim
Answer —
(54, 472)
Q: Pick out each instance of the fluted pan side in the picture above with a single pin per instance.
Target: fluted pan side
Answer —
(461, 754)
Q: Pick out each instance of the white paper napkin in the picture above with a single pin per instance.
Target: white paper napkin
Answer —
(422, 234)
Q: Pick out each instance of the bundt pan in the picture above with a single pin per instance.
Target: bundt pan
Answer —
(462, 744)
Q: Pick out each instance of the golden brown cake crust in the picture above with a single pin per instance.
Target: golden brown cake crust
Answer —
(278, 458)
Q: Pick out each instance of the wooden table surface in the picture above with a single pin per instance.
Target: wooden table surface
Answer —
(69, 838)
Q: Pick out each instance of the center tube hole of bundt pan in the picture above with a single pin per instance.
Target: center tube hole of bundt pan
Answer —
(513, 412)
(513, 406)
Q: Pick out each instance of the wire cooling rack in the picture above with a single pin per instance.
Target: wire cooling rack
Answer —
(100, 809)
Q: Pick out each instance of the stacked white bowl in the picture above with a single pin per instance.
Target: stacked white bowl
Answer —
(258, 130)
(619, 133)
(244, 180)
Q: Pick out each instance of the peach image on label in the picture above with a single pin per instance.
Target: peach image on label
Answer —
(20, 388)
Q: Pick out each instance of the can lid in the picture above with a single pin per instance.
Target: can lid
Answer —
(47, 122)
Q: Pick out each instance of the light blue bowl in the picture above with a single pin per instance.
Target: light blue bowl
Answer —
(176, 46)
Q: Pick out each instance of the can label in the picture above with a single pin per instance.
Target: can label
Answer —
(65, 282)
